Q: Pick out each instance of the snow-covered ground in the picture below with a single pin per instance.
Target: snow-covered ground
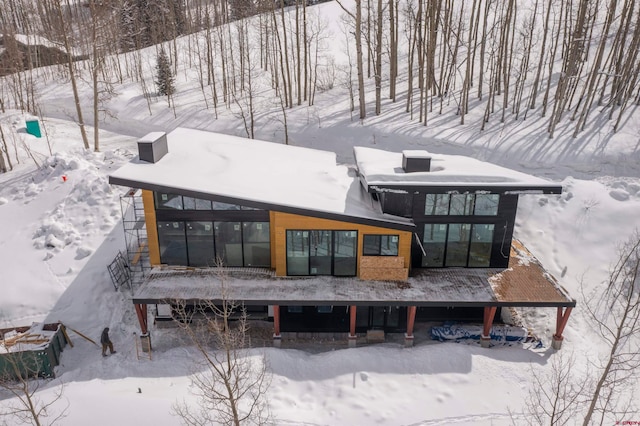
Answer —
(58, 235)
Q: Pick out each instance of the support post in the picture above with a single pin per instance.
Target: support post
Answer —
(489, 314)
(141, 311)
(277, 337)
(352, 326)
(411, 320)
(561, 322)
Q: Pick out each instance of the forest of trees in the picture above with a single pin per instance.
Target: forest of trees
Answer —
(505, 60)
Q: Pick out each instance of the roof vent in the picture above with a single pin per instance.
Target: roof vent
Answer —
(153, 147)
(416, 161)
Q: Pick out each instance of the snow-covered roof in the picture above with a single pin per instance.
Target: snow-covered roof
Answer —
(260, 174)
(380, 170)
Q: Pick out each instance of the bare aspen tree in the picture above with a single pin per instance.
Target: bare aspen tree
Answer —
(393, 48)
(100, 84)
(245, 102)
(306, 55)
(357, 18)
(628, 77)
(285, 47)
(282, 90)
(556, 397)
(64, 31)
(229, 382)
(552, 57)
(505, 55)
(545, 34)
(526, 38)
(411, 33)
(589, 88)
(22, 383)
(421, 50)
(298, 53)
(317, 44)
(616, 317)
(483, 46)
(378, 61)
(570, 66)
(4, 153)
(617, 52)
(348, 82)
(466, 85)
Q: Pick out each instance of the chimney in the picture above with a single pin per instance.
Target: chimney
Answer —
(416, 161)
(152, 147)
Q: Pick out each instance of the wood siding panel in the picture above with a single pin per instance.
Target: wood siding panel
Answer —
(383, 268)
(382, 262)
(281, 222)
(152, 227)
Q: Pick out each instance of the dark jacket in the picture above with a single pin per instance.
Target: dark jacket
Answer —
(104, 338)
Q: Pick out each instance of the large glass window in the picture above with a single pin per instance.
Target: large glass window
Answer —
(380, 245)
(217, 205)
(458, 244)
(480, 247)
(179, 202)
(433, 242)
(322, 252)
(297, 252)
(346, 248)
(461, 204)
(257, 250)
(228, 237)
(173, 247)
(191, 203)
(487, 204)
(168, 201)
(200, 244)
(436, 204)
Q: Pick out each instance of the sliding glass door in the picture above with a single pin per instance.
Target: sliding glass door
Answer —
(322, 252)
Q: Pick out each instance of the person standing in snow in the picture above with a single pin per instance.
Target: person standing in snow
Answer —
(106, 342)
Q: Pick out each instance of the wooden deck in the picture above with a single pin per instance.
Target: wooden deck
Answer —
(524, 283)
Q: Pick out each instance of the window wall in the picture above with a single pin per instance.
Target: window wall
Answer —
(461, 204)
(322, 252)
(198, 232)
(457, 244)
(201, 243)
(166, 201)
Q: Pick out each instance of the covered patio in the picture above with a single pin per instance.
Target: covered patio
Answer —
(524, 284)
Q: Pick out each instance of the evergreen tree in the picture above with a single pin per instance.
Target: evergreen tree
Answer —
(164, 76)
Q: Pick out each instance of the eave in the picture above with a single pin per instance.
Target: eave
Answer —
(391, 224)
(461, 188)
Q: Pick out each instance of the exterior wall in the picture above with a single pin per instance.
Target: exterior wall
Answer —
(503, 222)
(281, 222)
(152, 227)
(383, 268)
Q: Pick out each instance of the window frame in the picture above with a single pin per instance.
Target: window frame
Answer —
(379, 244)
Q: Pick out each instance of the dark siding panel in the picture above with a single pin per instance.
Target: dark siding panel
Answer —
(503, 232)
(397, 204)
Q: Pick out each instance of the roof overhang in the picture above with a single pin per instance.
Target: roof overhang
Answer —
(460, 189)
(392, 223)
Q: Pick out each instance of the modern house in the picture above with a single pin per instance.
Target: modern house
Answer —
(317, 246)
